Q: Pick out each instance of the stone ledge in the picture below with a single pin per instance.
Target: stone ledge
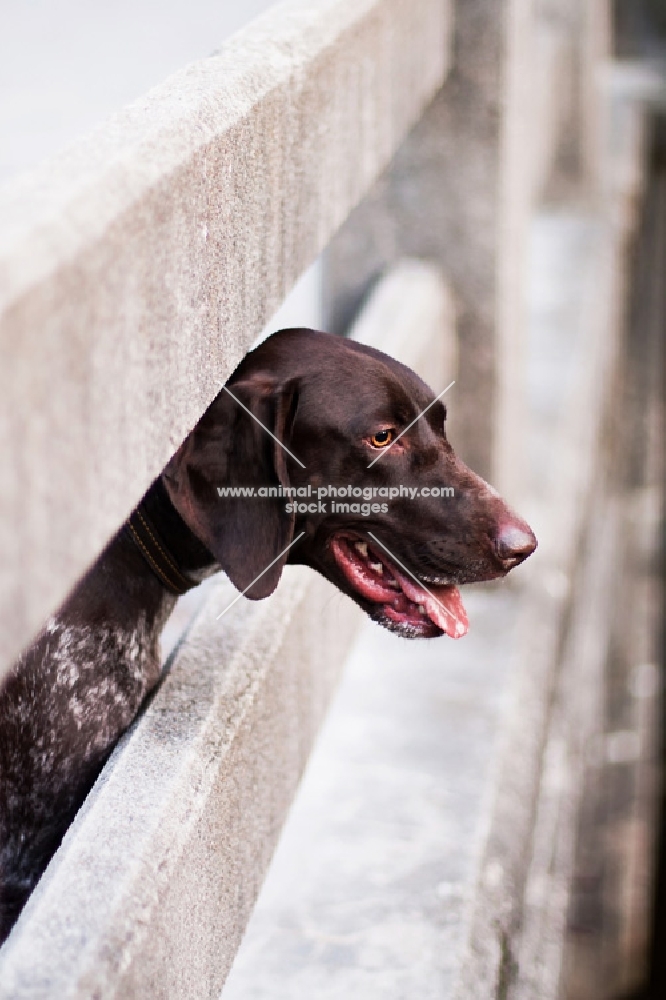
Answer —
(371, 885)
(137, 267)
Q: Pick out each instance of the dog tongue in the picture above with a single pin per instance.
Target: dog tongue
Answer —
(443, 605)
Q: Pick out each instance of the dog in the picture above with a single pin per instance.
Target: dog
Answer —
(305, 414)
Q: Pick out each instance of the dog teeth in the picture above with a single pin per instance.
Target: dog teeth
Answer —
(362, 548)
(378, 568)
(422, 609)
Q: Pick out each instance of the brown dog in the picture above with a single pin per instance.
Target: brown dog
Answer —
(337, 405)
(347, 478)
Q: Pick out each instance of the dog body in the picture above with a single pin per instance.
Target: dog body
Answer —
(331, 408)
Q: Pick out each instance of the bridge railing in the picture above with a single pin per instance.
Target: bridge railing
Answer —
(410, 141)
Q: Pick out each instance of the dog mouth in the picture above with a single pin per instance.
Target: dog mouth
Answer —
(403, 604)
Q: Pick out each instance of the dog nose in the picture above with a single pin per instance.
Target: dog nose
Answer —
(514, 542)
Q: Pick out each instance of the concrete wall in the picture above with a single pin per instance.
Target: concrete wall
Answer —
(458, 193)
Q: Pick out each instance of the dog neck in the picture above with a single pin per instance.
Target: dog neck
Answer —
(168, 546)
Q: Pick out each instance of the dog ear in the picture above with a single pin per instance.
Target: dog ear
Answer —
(228, 449)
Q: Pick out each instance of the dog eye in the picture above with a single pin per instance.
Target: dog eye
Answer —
(382, 438)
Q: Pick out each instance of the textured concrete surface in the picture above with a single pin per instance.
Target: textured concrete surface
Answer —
(138, 266)
(458, 194)
(370, 888)
(574, 734)
(596, 48)
(410, 314)
(556, 97)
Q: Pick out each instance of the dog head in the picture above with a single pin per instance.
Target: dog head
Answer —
(343, 456)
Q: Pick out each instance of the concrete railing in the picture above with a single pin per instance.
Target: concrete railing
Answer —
(136, 269)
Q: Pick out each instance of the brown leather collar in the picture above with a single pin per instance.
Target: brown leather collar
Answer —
(155, 551)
